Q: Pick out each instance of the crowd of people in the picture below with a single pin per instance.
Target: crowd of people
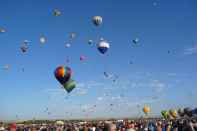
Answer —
(114, 125)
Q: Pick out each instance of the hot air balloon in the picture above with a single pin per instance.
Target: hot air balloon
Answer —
(24, 46)
(165, 114)
(42, 39)
(56, 12)
(72, 35)
(181, 112)
(69, 86)
(135, 41)
(103, 46)
(90, 42)
(82, 58)
(146, 109)
(188, 111)
(97, 20)
(173, 113)
(63, 75)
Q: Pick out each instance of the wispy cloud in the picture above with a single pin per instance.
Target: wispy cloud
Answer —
(191, 50)
(157, 86)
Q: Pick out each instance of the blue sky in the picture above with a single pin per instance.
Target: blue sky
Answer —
(157, 78)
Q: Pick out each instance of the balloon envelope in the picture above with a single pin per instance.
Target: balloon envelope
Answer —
(103, 47)
(63, 74)
(97, 20)
(146, 109)
(164, 114)
(188, 111)
(173, 113)
(69, 86)
(82, 58)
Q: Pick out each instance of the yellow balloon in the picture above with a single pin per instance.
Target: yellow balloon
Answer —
(146, 109)
(173, 113)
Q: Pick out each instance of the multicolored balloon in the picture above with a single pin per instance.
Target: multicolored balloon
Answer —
(69, 86)
(173, 113)
(63, 75)
(165, 114)
(103, 46)
(97, 20)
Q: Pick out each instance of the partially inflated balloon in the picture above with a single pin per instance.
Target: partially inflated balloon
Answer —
(188, 111)
(69, 86)
(164, 114)
(181, 112)
(63, 74)
(146, 109)
(103, 46)
(173, 113)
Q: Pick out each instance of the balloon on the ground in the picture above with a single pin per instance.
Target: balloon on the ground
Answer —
(188, 111)
(97, 20)
(103, 46)
(146, 109)
(63, 74)
(181, 112)
(173, 113)
(165, 114)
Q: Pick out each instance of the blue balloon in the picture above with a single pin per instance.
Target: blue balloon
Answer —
(103, 50)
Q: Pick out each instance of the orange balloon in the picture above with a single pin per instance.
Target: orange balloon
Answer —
(60, 71)
(146, 109)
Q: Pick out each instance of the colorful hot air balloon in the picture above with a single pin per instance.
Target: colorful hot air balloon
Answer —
(173, 113)
(97, 20)
(103, 46)
(146, 109)
(82, 58)
(69, 86)
(165, 114)
(63, 74)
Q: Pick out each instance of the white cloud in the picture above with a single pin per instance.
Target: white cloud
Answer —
(100, 98)
(191, 50)
(157, 86)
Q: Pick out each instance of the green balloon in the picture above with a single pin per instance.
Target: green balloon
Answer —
(165, 114)
(69, 86)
